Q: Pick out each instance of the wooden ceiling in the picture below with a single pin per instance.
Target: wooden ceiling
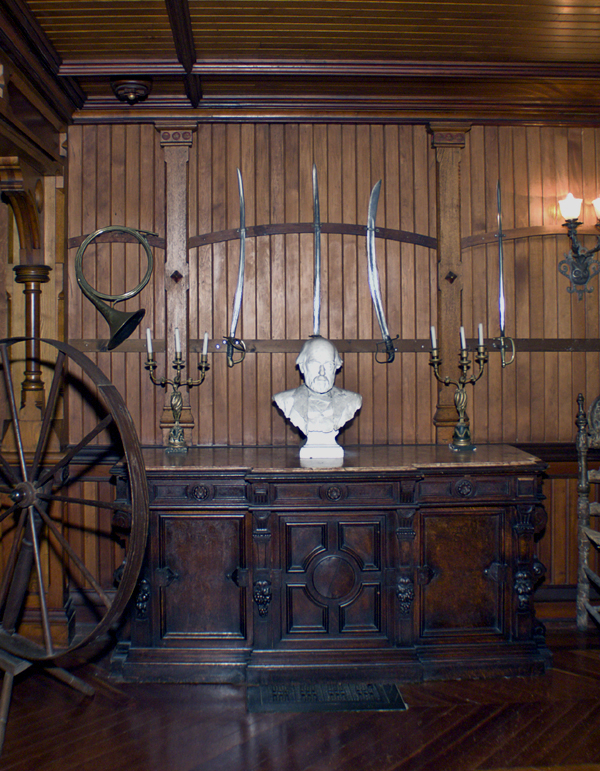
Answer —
(406, 60)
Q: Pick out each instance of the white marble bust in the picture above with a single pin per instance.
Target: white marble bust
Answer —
(317, 407)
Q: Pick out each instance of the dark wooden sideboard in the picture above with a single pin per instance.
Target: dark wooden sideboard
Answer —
(406, 562)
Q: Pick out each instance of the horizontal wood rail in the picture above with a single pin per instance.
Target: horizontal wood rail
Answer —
(512, 235)
(308, 227)
(337, 228)
(217, 345)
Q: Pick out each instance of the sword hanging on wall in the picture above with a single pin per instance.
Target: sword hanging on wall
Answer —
(373, 273)
(317, 252)
(234, 343)
(501, 298)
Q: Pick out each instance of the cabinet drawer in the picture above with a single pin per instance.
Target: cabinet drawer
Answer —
(193, 491)
(334, 493)
(465, 488)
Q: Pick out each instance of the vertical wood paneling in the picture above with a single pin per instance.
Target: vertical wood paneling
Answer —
(116, 176)
(533, 399)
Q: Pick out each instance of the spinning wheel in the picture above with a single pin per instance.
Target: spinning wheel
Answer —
(40, 515)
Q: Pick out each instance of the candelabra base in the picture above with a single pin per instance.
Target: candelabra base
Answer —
(176, 442)
(170, 449)
(462, 447)
(461, 439)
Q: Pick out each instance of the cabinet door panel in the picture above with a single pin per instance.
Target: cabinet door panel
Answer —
(462, 572)
(206, 595)
(333, 575)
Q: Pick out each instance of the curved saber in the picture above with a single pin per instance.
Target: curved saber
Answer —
(501, 297)
(232, 342)
(317, 232)
(373, 274)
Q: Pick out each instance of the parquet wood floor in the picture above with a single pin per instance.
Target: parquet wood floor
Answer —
(546, 723)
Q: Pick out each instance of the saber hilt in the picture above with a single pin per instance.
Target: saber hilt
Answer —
(235, 344)
(390, 350)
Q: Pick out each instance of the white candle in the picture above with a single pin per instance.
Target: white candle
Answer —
(433, 339)
(149, 342)
(480, 329)
(177, 341)
(463, 344)
(205, 344)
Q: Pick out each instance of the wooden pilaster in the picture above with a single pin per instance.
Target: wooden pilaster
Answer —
(448, 141)
(176, 141)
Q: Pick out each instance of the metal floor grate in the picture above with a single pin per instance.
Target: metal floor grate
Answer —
(323, 696)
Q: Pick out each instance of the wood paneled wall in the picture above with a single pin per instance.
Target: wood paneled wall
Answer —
(533, 400)
(116, 176)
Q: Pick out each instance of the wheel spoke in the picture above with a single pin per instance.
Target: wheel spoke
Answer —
(72, 452)
(12, 558)
(42, 590)
(125, 507)
(8, 512)
(13, 408)
(72, 554)
(49, 412)
(8, 471)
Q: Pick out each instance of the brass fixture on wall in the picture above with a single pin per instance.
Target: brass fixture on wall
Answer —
(578, 265)
(131, 89)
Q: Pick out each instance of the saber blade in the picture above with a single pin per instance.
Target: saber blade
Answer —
(501, 298)
(239, 292)
(373, 273)
(317, 249)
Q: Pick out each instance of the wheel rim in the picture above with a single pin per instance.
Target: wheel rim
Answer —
(38, 492)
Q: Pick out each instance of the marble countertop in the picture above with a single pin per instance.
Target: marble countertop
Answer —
(382, 458)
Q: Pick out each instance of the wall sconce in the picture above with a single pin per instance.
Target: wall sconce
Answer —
(578, 266)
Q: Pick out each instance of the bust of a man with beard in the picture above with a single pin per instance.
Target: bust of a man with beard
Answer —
(317, 407)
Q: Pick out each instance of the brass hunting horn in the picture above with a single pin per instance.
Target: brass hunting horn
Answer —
(121, 323)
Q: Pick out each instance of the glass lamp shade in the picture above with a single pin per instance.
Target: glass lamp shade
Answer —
(570, 207)
(596, 205)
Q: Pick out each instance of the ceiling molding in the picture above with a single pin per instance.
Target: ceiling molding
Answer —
(334, 68)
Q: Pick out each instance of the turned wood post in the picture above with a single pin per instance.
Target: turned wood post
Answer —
(32, 277)
(448, 141)
(23, 190)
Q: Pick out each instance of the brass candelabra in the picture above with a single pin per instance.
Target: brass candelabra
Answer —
(461, 437)
(176, 441)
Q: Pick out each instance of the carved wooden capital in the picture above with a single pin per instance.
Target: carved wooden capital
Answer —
(448, 134)
(176, 133)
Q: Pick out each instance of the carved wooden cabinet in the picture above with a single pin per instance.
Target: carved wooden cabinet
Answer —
(406, 562)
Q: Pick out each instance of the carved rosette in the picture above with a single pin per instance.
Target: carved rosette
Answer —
(261, 594)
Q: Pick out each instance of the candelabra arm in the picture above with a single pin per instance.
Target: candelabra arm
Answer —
(481, 357)
(203, 366)
(151, 366)
(434, 363)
